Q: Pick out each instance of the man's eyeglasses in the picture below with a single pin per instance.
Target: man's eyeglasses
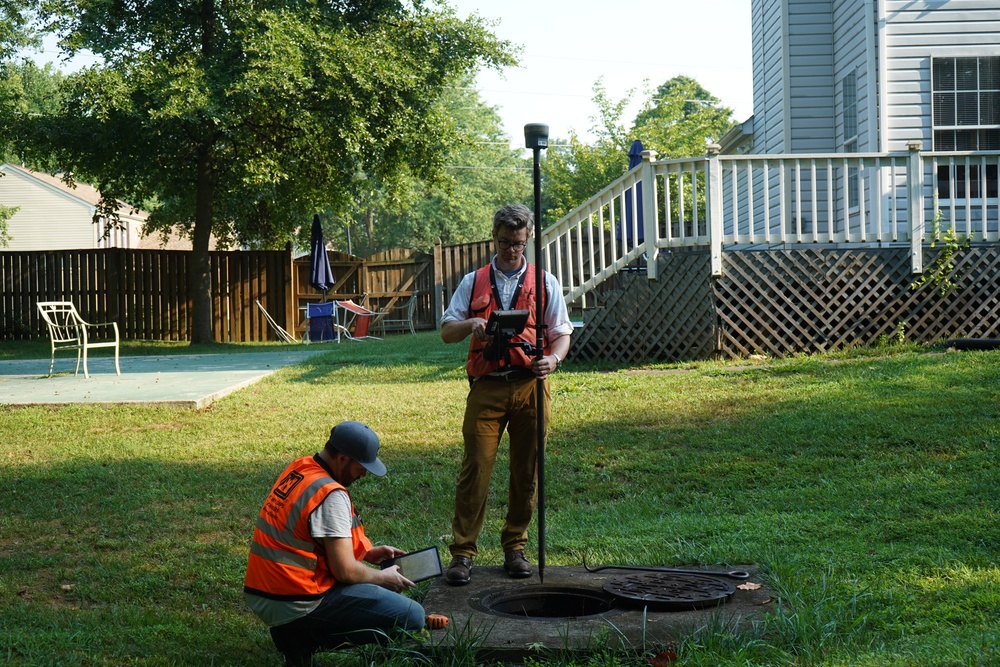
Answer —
(504, 245)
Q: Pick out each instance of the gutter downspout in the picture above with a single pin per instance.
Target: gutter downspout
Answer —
(878, 86)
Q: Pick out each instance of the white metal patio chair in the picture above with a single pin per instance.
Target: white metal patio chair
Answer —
(69, 331)
(401, 315)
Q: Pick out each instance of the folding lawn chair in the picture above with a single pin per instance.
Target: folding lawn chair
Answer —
(275, 327)
(356, 320)
(322, 324)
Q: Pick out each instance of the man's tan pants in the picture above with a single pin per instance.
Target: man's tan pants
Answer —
(492, 406)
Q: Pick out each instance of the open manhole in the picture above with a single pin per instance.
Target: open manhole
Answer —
(669, 591)
(544, 602)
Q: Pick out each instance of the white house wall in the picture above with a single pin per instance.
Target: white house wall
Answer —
(793, 76)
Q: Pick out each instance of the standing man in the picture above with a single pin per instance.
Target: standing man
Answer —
(306, 576)
(502, 392)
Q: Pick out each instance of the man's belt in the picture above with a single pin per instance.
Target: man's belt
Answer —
(512, 375)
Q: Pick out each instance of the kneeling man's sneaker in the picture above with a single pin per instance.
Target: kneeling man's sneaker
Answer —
(458, 573)
(516, 564)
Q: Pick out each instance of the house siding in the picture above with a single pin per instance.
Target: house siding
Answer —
(810, 47)
(51, 217)
(852, 21)
(793, 52)
(803, 49)
(45, 220)
(768, 76)
(916, 32)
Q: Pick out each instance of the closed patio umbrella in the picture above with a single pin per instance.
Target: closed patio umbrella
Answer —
(634, 160)
(320, 273)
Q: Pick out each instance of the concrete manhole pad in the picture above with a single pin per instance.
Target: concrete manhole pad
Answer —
(509, 619)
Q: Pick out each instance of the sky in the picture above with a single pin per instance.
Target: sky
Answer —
(567, 44)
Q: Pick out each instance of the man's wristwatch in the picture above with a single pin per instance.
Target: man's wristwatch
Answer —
(558, 360)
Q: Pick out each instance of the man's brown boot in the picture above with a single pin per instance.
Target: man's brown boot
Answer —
(516, 564)
(458, 572)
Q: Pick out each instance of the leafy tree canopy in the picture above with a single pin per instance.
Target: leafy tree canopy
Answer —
(240, 119)
(481, 173)
(677, 120)
(27, 89)
(680, 118)
(17, 29)
(574, 171)
(16, 32)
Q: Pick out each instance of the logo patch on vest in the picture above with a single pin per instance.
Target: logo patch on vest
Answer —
(288, 484)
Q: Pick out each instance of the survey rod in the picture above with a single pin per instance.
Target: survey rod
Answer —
(536, 138)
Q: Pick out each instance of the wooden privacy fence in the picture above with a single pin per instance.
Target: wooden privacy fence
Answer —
(147, 291)
(387, 279)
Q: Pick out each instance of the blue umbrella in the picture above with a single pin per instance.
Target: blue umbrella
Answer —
(634, 160)
(320, 273)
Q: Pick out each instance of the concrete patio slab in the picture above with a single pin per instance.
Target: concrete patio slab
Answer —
(511, 637)
(185, 381)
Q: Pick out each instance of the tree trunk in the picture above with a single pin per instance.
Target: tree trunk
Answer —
(201, 274)
(370, 228)
(200, 270)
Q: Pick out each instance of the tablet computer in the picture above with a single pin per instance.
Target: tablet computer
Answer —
(417, 565)
(506, 321)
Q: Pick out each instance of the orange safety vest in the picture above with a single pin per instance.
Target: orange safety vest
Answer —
(285, 562)
(486, 299)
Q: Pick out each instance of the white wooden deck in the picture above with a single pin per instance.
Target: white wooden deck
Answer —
(729, 202)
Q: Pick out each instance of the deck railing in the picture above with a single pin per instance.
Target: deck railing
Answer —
(723, 202)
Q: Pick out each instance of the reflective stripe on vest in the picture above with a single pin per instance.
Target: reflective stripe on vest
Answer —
(285, 562)
(476, 364)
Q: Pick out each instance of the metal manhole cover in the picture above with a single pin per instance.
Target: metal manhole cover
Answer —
(669, 591)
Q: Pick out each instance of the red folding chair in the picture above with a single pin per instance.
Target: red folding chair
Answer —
(355, 319)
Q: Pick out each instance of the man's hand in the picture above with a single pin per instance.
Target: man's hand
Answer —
(550, 362)
(382, 553)
(347, 570)
(456, 331)
(544, 366)
(393, 579)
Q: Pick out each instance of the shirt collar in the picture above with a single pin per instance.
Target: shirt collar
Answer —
(524, 267)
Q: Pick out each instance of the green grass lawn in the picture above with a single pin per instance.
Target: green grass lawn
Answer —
(863, 485)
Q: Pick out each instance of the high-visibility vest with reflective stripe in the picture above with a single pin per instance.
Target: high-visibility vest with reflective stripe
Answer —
(484, 302)
(285, 562)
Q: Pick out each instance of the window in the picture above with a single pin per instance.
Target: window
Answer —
(849, 96)
(849, 90)
(966, 99)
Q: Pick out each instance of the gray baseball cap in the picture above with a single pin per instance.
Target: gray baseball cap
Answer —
(358, 441)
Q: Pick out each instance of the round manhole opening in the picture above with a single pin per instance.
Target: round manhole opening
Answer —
(544, 602)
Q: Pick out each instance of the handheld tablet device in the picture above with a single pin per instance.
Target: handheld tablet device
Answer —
(506, 322)
(417, 565)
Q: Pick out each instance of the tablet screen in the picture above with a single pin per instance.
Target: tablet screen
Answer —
(417, 565)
